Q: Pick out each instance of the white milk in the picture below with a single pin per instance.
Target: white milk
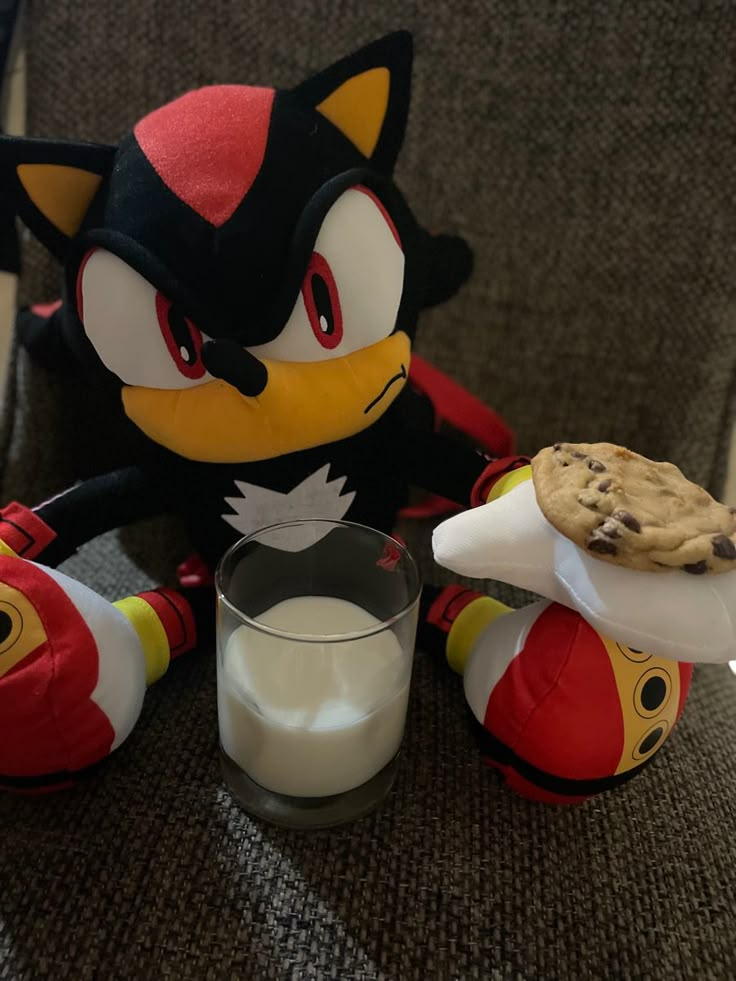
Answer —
(312, 719)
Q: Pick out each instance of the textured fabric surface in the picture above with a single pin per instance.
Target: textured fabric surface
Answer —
(151, 871)
(596, 186)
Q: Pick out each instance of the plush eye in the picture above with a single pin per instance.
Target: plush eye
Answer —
(182, 338)
(11, 626)
(651, 740)
(652, 692)
(632, 654)
(352, 287)
(139, 334)
(322, 302)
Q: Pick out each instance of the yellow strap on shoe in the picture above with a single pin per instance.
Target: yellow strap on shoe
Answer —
(151, 634)
(7, 550)
(509, 480)
(468, 626)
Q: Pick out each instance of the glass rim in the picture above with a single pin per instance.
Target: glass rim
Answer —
(318, 638)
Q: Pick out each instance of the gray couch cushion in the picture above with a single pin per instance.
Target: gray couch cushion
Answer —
(150, 870)
(586, 154)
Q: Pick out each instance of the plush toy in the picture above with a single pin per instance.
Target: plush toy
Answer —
(243, 270)
(575, 695)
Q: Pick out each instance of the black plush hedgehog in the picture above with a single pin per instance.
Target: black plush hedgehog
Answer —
(244, 270)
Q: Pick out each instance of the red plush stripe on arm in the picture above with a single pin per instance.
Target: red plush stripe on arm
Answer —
(23, 531)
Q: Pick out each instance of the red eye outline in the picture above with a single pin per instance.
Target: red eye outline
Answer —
(80, 274)
(382, 208)
(193, 369)
(320, 268)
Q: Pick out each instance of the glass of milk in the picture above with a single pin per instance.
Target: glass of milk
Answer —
(315, 643)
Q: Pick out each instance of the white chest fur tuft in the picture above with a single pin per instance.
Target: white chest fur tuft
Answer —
(315, 497)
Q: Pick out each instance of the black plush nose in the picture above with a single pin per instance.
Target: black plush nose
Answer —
(227, 360)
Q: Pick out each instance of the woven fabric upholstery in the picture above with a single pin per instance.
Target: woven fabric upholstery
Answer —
(585, 150)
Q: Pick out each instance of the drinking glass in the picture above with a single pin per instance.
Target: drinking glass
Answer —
(316, 622)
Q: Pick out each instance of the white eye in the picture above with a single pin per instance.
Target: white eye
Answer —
(352, 287)
(138, 334)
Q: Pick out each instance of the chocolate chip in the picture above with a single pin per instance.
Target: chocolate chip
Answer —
(578, 456)
(602, 545)
(627, 519)
(604, 485)
(596, 466)
(696, 568)
(557, 447)
(723, 547)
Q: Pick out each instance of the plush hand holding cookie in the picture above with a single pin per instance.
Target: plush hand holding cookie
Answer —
(670, 612)
(576, 695)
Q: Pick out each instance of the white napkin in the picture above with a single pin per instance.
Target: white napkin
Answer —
(671, 614)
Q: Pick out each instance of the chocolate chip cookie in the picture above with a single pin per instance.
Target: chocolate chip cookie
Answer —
(623, 508)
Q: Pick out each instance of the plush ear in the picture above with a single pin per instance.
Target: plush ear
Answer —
(447, 264)
(50, 185)
(366, 96)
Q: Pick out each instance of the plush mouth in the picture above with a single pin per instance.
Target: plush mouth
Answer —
(303, 404)
(400, 376)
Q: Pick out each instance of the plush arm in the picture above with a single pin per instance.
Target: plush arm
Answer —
(443, 465)
(53, 531)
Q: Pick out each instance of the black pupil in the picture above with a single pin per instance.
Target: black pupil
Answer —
(653, 692)
(182, 335)
(650, 741)
(6, 626)
(323, 305)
